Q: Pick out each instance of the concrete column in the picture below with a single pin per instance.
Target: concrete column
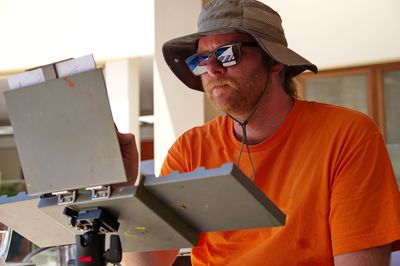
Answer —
(122, 79)
(176, 107)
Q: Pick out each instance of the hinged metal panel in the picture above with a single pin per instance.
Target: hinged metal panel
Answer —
(145, 223)
(208, 199)
(65, 134)
(158, 214)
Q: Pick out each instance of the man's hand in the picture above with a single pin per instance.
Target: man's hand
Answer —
(130, 156)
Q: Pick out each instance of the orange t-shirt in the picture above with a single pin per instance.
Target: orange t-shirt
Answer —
(326, 168)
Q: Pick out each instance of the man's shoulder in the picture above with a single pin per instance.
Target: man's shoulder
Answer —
(332, 116)
(335, 112)
(330, 108)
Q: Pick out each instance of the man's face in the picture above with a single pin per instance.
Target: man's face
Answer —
(234, 89)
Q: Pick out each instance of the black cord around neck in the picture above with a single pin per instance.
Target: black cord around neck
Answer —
(244, 123)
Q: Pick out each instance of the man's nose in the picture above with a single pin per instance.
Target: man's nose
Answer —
(214, 67)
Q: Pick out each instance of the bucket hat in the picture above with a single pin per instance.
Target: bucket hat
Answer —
(226, 16)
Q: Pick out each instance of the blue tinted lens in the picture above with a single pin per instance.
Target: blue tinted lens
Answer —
(225, 55)
(197, 60)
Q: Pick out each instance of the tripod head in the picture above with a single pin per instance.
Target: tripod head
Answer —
(90, 246)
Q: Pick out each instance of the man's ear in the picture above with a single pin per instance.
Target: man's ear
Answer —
(277, 68)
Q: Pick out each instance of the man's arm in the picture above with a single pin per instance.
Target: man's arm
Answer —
(376, 256)
(159, 258)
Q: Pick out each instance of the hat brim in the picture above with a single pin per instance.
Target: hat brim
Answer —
(177, 50)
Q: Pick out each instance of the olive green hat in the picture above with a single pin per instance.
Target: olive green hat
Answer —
(227, 16)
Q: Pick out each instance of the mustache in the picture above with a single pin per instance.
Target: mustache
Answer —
(221, 82)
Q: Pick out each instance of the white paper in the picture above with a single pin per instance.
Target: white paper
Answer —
(75, 66)
(25, 79)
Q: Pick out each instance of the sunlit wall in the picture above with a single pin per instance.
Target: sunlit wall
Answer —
(41, 31)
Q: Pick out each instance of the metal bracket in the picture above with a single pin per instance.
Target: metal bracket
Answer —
(100, 192)
(65, 197)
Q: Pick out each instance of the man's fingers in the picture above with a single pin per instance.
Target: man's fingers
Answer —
(125, 138)
(129, 153)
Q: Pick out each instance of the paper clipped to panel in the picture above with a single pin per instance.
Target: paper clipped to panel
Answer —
(52, 71)
(75, 66)
(26, 79)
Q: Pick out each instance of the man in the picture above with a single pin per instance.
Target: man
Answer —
(324, 166)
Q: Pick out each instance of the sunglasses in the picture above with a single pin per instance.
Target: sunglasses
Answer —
(226, 55)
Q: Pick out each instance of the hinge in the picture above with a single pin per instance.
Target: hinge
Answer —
(65, 197)
(100, 192)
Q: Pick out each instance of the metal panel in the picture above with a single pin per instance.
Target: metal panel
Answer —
(158, 214)
(145, 223)
(216, 200)
(22, 215)
(65, 134)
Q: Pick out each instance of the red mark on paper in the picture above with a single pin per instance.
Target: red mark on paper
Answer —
(70, 83)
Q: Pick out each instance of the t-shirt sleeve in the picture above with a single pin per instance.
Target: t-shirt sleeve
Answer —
(365, 201)
(174, 161)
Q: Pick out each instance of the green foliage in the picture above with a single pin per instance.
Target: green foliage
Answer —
(10, 188)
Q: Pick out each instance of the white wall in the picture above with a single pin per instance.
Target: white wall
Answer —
(342, 32)
(42, 31)
(122, 79)
(329, 33)
(176, 108)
